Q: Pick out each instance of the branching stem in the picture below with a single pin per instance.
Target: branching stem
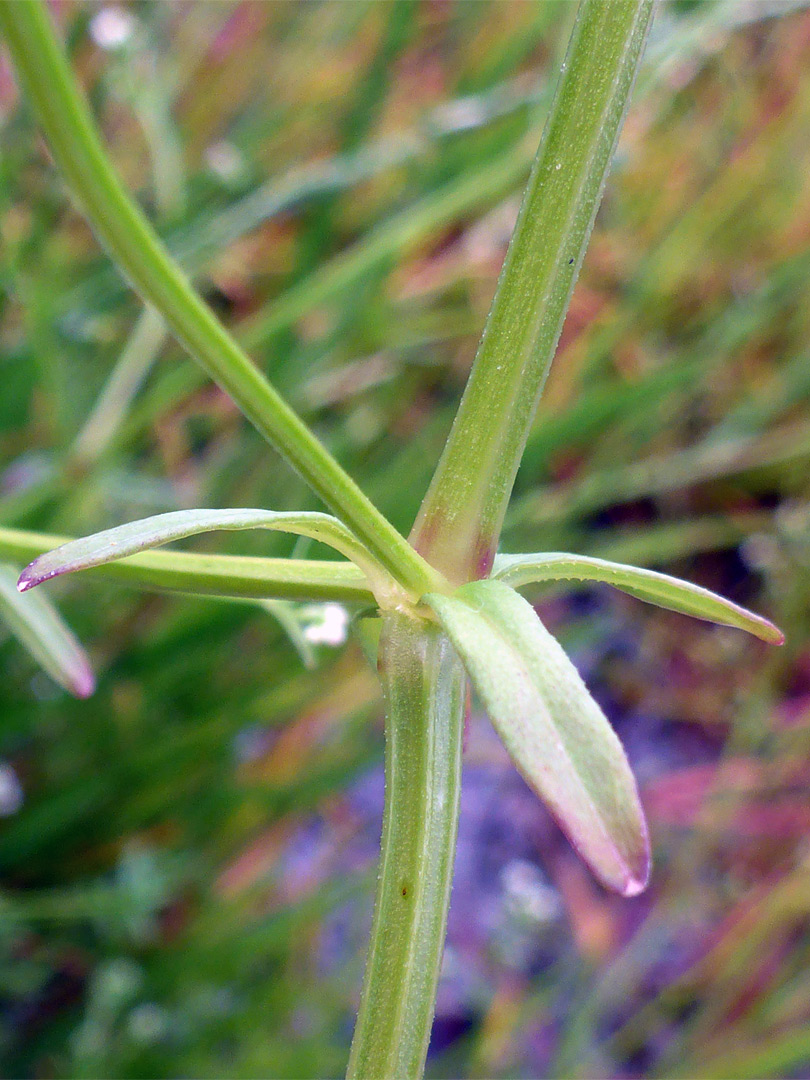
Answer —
(135, 247)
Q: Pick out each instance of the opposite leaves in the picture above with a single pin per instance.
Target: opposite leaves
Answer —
(555, 732)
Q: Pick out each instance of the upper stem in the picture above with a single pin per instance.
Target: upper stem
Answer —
(461, 517)
(133, 244)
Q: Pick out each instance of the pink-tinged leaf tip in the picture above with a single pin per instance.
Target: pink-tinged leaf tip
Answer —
(27, 580)
(639, 868)
(31, 575)
(635, 887)
(83, 683)
(767, 631)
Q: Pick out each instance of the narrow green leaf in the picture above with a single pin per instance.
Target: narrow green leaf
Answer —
(655, 588)
(556, 733)
(225, 576)
(151, 532)
(38, 626)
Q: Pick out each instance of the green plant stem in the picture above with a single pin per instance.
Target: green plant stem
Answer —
(460, 521)
(197, 574)
(424, 687)
(133, 244)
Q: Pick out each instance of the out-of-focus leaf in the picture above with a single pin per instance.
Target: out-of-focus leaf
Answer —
(38, 626)
(286, 615)
(655, 588)
(151, 532)
(554, 730)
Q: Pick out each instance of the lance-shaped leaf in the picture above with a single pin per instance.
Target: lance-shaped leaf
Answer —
(556, 733)
(655, 588)
(38, 626)
(198, 574)
(151, 532)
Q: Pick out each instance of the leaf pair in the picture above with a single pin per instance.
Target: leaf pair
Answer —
(554, 730)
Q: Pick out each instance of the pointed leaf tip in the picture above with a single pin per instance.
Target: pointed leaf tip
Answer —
(36, 623)
(555, 732)
(648, 585)
(137, 536)
(83, 684)
(635, 887)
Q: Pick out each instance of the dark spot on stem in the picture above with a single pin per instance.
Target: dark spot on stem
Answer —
(483, 559)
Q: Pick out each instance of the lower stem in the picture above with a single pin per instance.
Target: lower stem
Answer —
(424, 688)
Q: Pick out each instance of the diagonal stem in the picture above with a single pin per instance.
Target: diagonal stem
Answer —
(132, 242)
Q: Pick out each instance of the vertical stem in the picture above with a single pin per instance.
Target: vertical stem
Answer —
(460, 520)
(424, 687)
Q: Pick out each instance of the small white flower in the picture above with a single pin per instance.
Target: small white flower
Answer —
(148, 1023)
(526, 892)
(224, 161)
(112, 27)
(330, 625)
(460, 115)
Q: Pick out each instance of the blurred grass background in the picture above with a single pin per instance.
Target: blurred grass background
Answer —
(188, 857)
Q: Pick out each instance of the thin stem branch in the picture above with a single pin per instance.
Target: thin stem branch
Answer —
(133, 244)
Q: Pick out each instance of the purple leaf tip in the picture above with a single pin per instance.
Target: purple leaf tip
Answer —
(634, 887)
(83, 683)
(28, 578)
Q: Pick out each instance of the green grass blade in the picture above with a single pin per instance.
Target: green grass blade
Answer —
(555, 732)
(37, 625)
(650, 585)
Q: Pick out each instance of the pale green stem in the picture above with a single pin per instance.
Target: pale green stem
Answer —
(424, 688)
(133, 244)
(459, 528)
(460, 520)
